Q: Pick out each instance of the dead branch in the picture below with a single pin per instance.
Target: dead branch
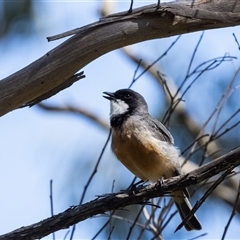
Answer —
(122, 199)
(115, 31)
(75, 110)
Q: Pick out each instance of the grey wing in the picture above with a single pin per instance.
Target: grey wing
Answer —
(160, 131)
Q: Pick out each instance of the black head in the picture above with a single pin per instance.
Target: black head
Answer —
(124, 103)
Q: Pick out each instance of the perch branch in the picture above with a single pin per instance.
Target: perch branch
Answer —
(122, 199)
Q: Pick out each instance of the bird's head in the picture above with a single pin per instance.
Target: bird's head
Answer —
(126, 102)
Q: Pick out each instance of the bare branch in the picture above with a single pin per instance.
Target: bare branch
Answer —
(236, 40)
(233, 212)
(42, 77)
(193, 55)
(75, 110)
(51, 203)
(134, 223)
(154, 62)
(122, 199)
(101, 229)
(199, 236)
(205, 196)
(91, 176)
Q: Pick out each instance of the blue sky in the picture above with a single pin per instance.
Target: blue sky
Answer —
(36, 146)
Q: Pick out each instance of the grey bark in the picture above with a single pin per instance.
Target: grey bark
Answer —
(53, 70)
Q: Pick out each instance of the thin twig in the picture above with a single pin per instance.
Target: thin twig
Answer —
(165, 212)
(148, 220)
(91, 177)
(169, 219)
(101, 229)
(225, 96)
(51, 197)
(195, 141)
(210, 64)
(166, 88)
(216, 134)
(199, 236)
(232, 214)
(110, 233)
(205, 196)
(194, 54)
(159, 58)
(111, 213)
(135, 73)
(236, 40)
(216, 110)
(134, 223)
(66, 234)
(75, 110)
(228, 129)
(95, 168)
(51, 203)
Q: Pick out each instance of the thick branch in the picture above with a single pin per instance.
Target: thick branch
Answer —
(110, 202)
(110, 33)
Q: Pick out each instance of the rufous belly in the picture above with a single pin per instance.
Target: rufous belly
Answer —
(145, 156)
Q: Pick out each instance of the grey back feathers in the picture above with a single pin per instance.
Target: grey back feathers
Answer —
(159, 130)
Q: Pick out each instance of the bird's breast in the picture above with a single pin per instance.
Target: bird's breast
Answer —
(144, 155)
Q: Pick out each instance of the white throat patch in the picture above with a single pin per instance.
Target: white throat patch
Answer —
(118, 107)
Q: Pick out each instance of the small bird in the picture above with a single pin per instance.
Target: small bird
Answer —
(145, 146)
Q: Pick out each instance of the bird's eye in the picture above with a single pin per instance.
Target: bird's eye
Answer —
(127, 96)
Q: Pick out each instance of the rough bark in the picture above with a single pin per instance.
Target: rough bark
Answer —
(122, 199)
(56, 67)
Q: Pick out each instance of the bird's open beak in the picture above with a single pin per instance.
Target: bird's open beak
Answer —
(110, 96)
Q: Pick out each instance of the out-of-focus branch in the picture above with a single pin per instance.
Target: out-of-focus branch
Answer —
(226, 193)
(180, 110)
(75, 110)
(122, 199)
(233, 212)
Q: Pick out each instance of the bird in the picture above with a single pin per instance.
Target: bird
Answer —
(145, 146)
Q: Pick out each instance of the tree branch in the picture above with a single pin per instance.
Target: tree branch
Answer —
(75, 110)
(122, 199)
(115, 31)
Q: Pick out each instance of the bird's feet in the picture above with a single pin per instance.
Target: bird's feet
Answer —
(133, 186)
(159, 182)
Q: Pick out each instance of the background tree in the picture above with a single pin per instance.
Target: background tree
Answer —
(214, 91)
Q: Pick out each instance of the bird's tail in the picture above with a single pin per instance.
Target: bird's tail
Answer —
(184, 207)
